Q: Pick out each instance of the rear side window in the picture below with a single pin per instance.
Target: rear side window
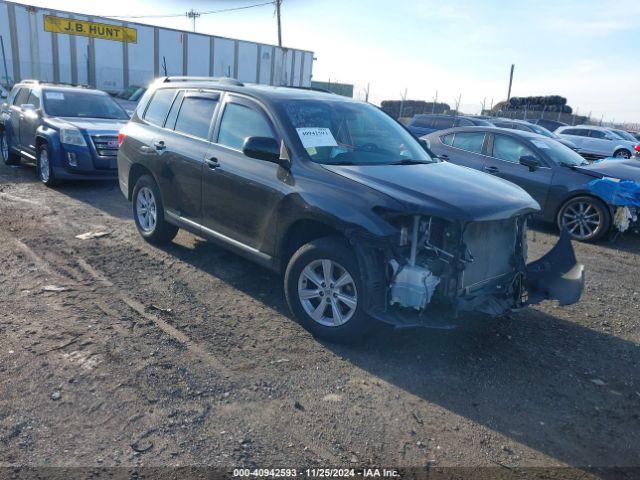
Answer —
(159, 106)
(597, 134)
(447, 139)
(195, 116)
(22, 96)
(239, 122)
(469, 141)
(509, 149)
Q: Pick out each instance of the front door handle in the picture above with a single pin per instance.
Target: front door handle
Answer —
(491, 169)
(444, 155)
(212, 163)
(159, 144)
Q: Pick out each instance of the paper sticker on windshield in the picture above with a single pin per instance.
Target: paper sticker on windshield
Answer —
(539, 144)
(54, 95)
(316, 137)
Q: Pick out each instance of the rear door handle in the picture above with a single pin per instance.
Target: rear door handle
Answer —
(491, 169)
(159, 144)
(212, 163)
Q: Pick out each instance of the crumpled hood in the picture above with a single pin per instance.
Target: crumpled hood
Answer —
(443, 190)
(90, 125)
(622, 169)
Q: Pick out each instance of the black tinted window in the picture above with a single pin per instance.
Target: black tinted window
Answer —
(240, 122)
(580, 132)
(423, 122)
(195, 116)
(159, 106)
(22, 97)
(510, 149)
(469, 141)
(597, 134)
(442, 123)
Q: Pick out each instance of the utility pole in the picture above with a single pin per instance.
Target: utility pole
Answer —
(458, 105)
(484, 101)
(4, 61)
(193, 14)
(433, 105)
(278, 3)
(510, 82)
(366, 95)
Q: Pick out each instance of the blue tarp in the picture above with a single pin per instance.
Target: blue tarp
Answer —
(625, 193)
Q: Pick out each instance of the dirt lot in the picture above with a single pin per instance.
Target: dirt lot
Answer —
(103, 374)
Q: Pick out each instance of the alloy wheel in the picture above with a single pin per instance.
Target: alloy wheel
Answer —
(622, 154)
(582, 219)
(146, 209)
(43, 166)
(327, 292)
(4, 147)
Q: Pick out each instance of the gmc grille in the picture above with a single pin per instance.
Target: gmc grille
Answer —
(106, 145)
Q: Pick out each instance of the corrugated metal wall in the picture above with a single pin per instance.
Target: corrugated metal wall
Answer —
(32, 52)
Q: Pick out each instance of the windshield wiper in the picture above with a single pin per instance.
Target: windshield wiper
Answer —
(408, 161)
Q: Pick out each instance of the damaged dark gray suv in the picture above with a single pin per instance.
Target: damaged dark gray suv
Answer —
(357, 214)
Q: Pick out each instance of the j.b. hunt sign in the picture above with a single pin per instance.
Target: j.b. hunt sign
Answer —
(84, 28)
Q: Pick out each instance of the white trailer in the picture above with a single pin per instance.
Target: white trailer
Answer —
(64, 47)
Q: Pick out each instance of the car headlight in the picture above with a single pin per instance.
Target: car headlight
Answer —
(72, 136)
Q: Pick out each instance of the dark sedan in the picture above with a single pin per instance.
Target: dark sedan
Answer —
(553, 174)
(427, 123)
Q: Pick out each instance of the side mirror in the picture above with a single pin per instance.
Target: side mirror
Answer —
(263, 148)
(530, 161)
(5, 106)
(28, 107)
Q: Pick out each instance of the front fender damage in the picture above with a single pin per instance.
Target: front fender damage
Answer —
(557, 275)
(437, 278)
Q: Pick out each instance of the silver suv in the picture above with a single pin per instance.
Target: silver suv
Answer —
(598, 142)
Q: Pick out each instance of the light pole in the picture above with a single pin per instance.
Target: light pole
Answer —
(192, 14)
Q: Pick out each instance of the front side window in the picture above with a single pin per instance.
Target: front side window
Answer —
(239, 122)
(448, 139)
(34, 99)
(159, 106)
(509, 149)
(195, 116)
(597, 134)
(22, 96)
(84, 104)
(344, 132)
(469, 141)
(559, 153)
(421, 122)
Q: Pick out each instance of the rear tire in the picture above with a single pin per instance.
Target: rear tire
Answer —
(44, 168)
(148, 213)
(8, 157)
(331, 306)
(622, 153)
(586, 218)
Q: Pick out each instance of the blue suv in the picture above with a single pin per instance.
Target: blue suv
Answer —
(70, 132)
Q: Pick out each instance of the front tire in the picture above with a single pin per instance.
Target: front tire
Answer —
(622, 153)
(148, 213)
(324, 290)
(8, 157)
(44, 168)
(586, 218)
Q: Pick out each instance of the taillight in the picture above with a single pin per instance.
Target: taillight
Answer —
(121, 138)
(638, 148)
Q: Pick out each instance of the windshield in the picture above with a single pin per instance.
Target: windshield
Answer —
(625, 135)
(541, 131)
(71, 103)
(345, 133)
(559, 153)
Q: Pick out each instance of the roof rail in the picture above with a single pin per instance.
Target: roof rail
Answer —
(223, 80)
(314, 89)
(30, 80)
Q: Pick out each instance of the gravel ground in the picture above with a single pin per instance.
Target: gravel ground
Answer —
(187, 355)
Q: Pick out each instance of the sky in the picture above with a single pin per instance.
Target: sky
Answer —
(585, 50)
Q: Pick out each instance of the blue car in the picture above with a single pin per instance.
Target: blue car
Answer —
(70, 132)
(428, 123)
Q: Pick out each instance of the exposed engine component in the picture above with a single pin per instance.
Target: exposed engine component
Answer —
(413, 286)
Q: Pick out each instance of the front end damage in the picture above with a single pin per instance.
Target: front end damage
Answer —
(434, 270)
